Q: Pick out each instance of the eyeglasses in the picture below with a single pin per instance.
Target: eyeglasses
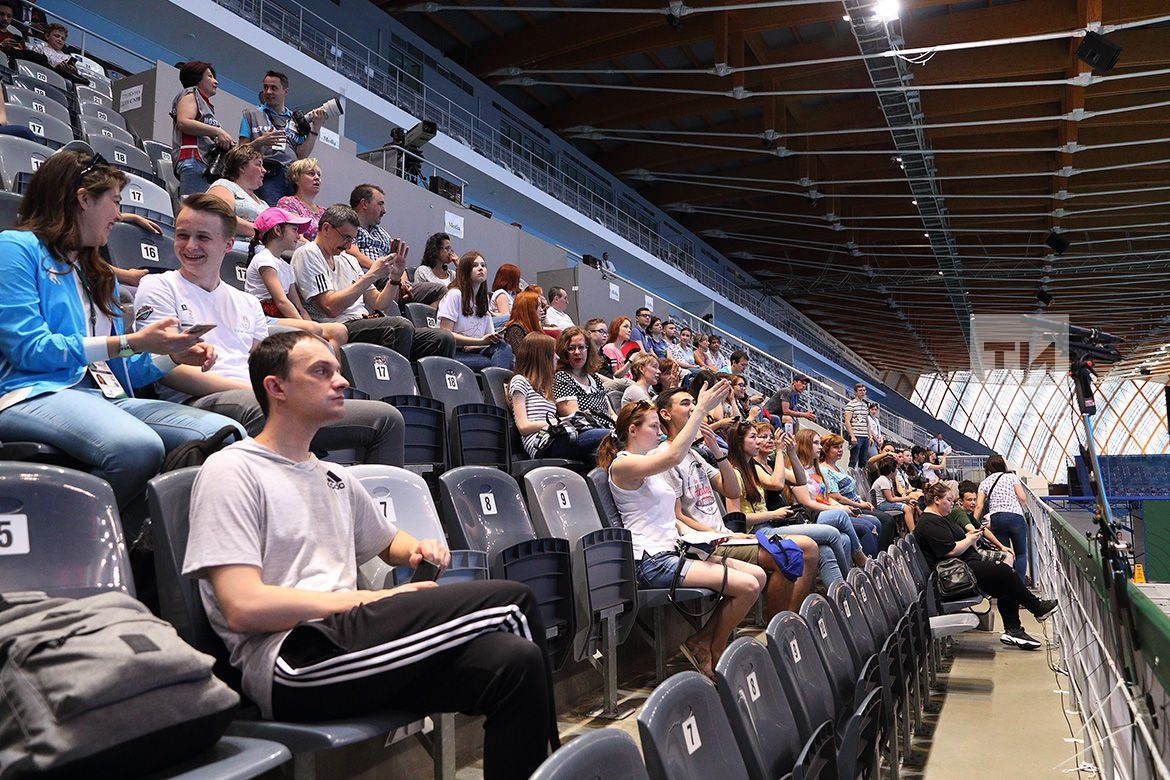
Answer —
(599, 330)
(345, 238)
(94, 162)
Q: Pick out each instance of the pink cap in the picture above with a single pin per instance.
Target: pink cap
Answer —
(270, 218)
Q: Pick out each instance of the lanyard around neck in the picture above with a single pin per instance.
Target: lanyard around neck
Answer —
(81, 277)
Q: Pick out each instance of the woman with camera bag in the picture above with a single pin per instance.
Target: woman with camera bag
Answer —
(941, 539)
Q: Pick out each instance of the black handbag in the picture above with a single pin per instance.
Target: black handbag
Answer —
(556, 432)
(955, 580)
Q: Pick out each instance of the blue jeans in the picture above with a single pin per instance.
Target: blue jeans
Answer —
(867, 528)
(585, 449)
(830, 546)
(840, 519)
(124, 440)
(498, 354)
(275, 187)
(859, 452)
(190, 173)
(20, 131)
(1010, 526)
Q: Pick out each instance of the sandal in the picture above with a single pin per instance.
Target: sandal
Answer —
(693, 657)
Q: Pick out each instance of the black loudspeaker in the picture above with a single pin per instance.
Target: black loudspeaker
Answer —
(1074, 482)
(1044, 297)
(480, 210)
(1098, 52)
(1056, 243)
(446, 189)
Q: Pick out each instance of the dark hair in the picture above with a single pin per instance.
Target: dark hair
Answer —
(936, 491)
(463, 283)
(701, 379)
(430, 256)
(872, 405)
(237, 158)
(666, 398)
(917, 450)
(363, 192)
(737, 356)
(653, 320)
(276, 74)
(967, 486)
(50, 209)
(742, 463)
(209, 204)
(507, 278)
(887, 466)
(270, 358)
(339, 214)
(640, 311)
(995, 464)
(631, 414)
(556, 292)
(191, 73)
(49, 28)
(685, 329)
(592, 359)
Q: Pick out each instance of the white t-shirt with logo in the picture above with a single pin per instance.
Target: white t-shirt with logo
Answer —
(691, 482)
(239, 321)
(314, 276)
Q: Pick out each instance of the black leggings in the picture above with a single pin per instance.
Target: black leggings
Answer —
(456, 648)
(1000, 581)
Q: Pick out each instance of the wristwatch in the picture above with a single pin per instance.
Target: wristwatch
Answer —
(124, 348)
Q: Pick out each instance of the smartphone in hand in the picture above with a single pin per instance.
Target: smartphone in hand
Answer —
(426, 571)
(197, 329)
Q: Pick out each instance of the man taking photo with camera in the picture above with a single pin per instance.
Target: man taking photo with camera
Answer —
(274, 130)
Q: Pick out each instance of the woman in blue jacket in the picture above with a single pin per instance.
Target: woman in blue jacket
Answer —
(67, 371)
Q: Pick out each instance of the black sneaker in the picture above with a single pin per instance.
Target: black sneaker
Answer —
(1016, 637)
(1045, 610)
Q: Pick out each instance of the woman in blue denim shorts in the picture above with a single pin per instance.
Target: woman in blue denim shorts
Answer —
(646, 502)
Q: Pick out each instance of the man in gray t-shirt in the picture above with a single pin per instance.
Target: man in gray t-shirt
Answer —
(275, 539)
(271, 127)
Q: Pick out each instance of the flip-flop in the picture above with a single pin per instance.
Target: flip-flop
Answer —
(689, 654)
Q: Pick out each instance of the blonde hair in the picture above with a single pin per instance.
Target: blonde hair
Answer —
(299, 168)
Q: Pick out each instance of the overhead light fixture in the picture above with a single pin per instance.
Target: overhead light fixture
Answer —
(886, 11)
(1098, 52)
(1044, 297)
(1056, 243)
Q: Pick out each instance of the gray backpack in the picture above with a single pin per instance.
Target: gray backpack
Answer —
(98, 686)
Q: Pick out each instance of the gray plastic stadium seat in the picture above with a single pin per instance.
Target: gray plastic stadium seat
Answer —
(148, 199)
(605, 592)
(495, 385)
(421, 315)
(840, 663)
(478, 431)
(19, 155)
(102, 112)
(9, 208)
(232, 758)
(169, 498)
(61, 532)
(17, 96)
(122, 155)
(233, 269)
(131, 246)
(160, 155)
(91, 95)
(484, 510)
(685, 733)
(30, 83)
(798, 664)
(602, 754)
(42, 74)
(91, 127)
(762, 720)
(425, 418)
(405, 498)
(377, 371)
(54, 132)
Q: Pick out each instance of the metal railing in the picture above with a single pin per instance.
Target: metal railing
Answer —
(1121, 696)
(318, 38)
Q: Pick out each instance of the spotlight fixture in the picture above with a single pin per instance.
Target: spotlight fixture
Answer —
(1044, 297)
(1056, 243)
(674, 21)
(1098, 52)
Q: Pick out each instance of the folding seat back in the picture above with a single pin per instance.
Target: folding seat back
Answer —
(685, 733)
(495, 386)
(131, 246)
(801, 671)
(60, 533)
(124, 155)
(849, 610)
(92, 127)
(42, 74)
(17, 156)
(52, 132)
(405, 499)
(103, 113)
(144, 197)
(601, 754)
(421, 315)
(478, 431)
(18, 96)
(485, 511)
(759, 711)
(836, 654)
(376, 371)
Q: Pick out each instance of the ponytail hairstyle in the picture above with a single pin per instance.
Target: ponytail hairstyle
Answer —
(630, 416)
(744, 463)
(935, 492)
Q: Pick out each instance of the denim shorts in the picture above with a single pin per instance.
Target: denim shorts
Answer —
(657, 571)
